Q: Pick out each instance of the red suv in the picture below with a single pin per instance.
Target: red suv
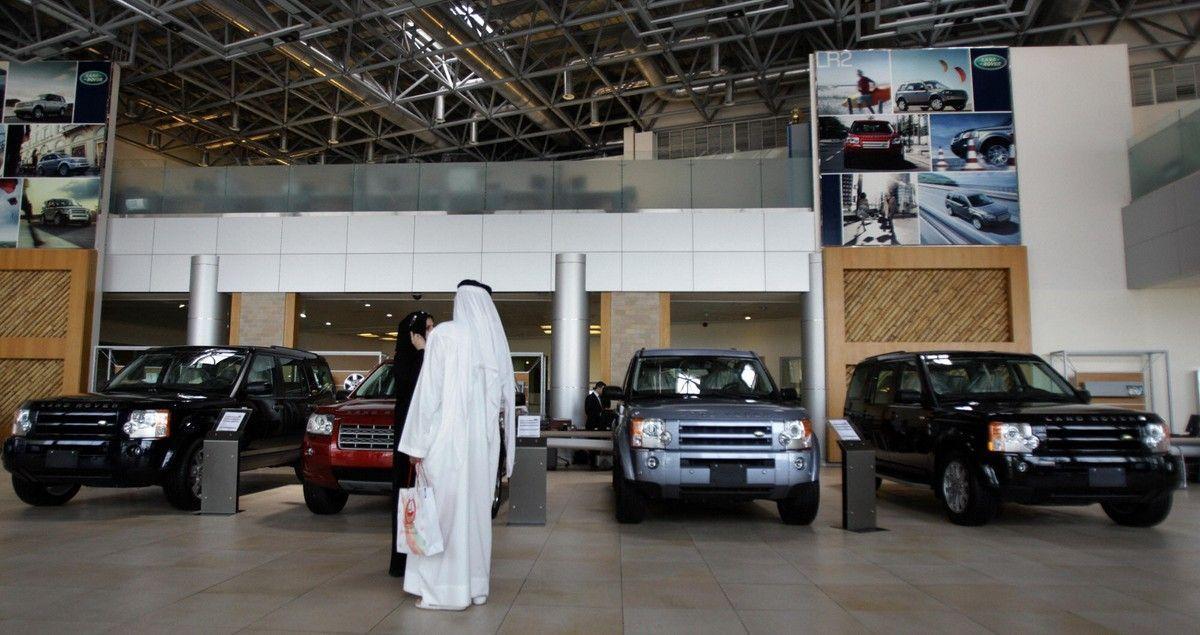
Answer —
(348, 447)
(874, 139)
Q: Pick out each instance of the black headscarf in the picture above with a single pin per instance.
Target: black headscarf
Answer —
(407, 363)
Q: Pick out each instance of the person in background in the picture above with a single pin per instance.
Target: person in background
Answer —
(593, 408)
(866, 90)
(406, 367)
(466, 389)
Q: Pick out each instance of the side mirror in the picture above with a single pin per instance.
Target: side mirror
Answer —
(908, 397)
(788, 394)
(259, 389)
(1084, 395)
(341, 395)
(613, 393)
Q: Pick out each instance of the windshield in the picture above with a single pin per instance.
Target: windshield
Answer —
(934, 85)
(698, 375)
(211, 370)
(980, 199)
(379, 385)
(965, 378)
(871, 126)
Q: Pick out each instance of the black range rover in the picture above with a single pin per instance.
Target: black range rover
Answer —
(983, 428)
(146, 427)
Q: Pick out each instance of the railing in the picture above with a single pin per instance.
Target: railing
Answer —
(617, 186)
(1165, 156)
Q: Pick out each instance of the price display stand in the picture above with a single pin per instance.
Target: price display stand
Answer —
(527, 487)
(219, 479)
(858, 479)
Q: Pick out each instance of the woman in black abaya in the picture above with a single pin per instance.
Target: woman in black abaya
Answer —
(410, 352)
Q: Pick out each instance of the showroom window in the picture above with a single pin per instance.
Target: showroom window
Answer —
(294, 383)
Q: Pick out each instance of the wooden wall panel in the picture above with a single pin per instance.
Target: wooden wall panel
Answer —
(879, 300)
(46, 299)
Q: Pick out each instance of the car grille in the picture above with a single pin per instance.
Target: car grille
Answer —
(352, 436)
(875, 144)
(76, 423)
(738, 434)
(710, 463)
(1103, 434)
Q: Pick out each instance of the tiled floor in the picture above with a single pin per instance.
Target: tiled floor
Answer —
(123, 561)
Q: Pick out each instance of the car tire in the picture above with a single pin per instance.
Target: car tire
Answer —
(848, 161)
(1146, 514)
(323, 501)
(631, 504)
(901, 105)
(995, 155)
(40, 495)
(964, 496)
(38, 113)
(182, 487)
(64, 169)
(298, 468)
(801, 507)
(976, 223)
(936, 104)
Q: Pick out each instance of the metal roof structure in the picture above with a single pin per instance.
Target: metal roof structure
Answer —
(306, 81)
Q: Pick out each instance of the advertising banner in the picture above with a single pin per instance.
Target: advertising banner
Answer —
(54, 151)
(916, 147)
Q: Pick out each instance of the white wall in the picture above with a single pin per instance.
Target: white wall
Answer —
(1148, 120)
(771, 339)
(669, 250)
(1074, 180)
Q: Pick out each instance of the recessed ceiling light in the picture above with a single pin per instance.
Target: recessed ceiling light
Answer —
(747, 317)
(182, 305)
(303, 314)
(389, 315)
(367, 335)
(367, 304)
(329, 324)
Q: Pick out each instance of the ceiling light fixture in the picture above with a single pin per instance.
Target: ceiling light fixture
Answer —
(568, 92)
(367, 304)
(329, 324)
(303, 314)
(389, 315)
(747, 317)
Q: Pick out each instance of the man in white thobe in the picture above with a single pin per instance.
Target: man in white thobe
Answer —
(452, 432)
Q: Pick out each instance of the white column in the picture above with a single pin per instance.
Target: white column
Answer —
(569, 340)
(206, 310)
(812, 359)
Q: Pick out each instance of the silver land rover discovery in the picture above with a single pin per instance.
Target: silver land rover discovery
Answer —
(704, 424)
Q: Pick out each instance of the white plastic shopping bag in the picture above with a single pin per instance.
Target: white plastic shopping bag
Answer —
(420, 533)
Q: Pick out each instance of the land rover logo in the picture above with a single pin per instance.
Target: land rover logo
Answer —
(96, 78)
(990, 62)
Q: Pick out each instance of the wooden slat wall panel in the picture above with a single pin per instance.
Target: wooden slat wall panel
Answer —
(46, 298)
(927, 305)
(879, 300)
(35, 303)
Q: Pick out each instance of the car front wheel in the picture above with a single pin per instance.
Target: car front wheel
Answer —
(631, 504)
(996, 155)
(38, 113)
(976, 223)
(801, 507)
(1146, 514)
(39, 495)
(64, 169)
(324, 501)
(901, 104)
(183, 484)
(936, 103)
(966, 499)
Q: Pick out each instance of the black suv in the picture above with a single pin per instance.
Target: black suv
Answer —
(983, 428)
(147, 426)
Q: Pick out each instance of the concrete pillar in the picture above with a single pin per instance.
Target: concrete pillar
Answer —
(569, 347)
(206, 307)
(812, 356)
(261, 319)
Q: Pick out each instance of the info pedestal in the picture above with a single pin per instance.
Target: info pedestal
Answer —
(527, 487)
(219, 478)
(858, 486)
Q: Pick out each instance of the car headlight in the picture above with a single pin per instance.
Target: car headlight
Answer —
(22, 422)
(1157, 437)
(319, 423)
(148, 424)
(1012, 437)
(649, 433)
(897, 141)
(796, 435)
(853, 140)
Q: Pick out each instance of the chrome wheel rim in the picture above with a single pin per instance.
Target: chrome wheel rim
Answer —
(955, 484)
(997, 156)
(936, 104)
(196, 472)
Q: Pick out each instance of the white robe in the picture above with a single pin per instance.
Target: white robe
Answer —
(452, 426)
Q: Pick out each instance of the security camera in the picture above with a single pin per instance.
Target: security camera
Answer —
(418, 296)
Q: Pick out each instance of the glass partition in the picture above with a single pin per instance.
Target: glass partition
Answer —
(614, 186)
(1165, 156)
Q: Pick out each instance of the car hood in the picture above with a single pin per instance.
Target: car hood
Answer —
(1042, 410)
(716, 409)
(131, 400)
(991, 208)
(378, 411)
